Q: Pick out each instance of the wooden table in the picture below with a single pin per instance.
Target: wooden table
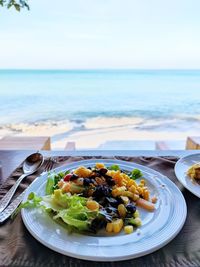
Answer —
(25, 142)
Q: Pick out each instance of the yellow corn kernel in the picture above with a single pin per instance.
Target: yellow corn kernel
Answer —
(141, 193)
(118, 178)
(82, 172)
(136, 214)
(92, 205)
(115, 192)
(136, 192)
(135, 197)
(142, 182)
(111, 173)
(140, 190)
(132, 189)
(128, 229)
(122, 210)
(117, 225)
(118, 191)
(100, 165)
(145, 188)
(127, 194)
(116, 228)
(125, 178)
(109, 227)
(138, 221)
(124, 182)
(125, 200)
(146, 194)
(121, 182)
(131, 182)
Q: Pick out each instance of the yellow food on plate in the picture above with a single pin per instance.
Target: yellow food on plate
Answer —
(194, 171)
(128, 229)
(101, 197)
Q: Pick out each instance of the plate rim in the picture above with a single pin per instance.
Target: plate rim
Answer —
(197, 194)
(115, 258)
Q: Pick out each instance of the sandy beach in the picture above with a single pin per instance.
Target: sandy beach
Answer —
(105, 133)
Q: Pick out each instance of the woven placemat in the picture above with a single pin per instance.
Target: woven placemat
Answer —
(19, 248)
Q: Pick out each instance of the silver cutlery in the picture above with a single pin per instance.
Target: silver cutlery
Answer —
(31, 164)
(4, 215)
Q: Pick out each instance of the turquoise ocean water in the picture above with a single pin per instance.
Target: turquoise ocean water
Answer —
(55, 95)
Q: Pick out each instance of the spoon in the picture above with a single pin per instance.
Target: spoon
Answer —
(31, 164)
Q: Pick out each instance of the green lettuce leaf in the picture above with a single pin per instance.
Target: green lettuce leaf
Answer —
(33, 201)
(71, 209)
(114, 168)
(49, 186)
(66, 201)
(135, 174)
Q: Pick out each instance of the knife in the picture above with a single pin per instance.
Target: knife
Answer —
(4, 215)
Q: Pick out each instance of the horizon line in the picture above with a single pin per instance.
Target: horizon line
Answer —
(100, 69)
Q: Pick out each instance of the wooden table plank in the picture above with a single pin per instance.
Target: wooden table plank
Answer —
(25, 142)
(193, 142)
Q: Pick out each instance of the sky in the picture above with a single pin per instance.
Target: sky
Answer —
(101, 34)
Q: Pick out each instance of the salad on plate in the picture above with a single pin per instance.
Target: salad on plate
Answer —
(194, 172)
(96, 198)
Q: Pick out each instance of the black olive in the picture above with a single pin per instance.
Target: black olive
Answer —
(86, 181)
(129, 215)
(101, 191)
(112, 201)
(73, 177)
(107, 176)
(110, 182)
(89, 168)
(109, 210)
(97, 224)
(103, 171)
(102, 201)
(131, 208)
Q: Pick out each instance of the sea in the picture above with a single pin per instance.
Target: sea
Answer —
(33, 96)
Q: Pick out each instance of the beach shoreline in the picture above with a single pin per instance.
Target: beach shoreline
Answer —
(105, 132)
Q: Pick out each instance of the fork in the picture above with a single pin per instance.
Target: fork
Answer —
(4, 215)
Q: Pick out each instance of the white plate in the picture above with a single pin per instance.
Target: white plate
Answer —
(181, 168)
(158, 228)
